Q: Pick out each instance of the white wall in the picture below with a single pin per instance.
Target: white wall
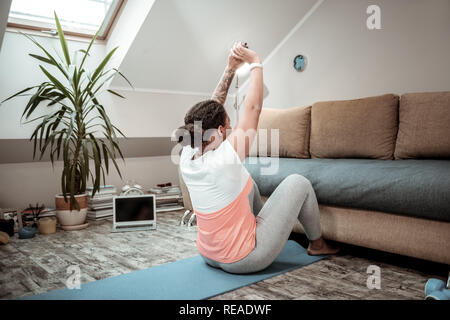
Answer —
(25, 183)
(147, 114)
(141, 114)
(183, 45)
(130, 19)
(18, 71)
(153, 114)
(346, 60)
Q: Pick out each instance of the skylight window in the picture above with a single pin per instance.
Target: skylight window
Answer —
(77, 17)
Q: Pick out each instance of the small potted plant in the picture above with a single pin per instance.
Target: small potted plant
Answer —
(31, 218)
(29, 221)
(74, 124)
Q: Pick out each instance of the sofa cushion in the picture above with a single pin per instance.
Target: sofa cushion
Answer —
(361, 128)
(418, 188)
(424, 128)
(294, 127)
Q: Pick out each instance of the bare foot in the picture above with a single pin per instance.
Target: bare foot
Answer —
(320, 247)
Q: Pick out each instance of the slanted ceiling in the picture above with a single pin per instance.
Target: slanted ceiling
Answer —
(183, 45)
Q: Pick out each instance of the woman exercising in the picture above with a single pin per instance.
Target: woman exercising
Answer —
(236, 232)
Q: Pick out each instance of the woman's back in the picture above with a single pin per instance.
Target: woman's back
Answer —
(219, 186)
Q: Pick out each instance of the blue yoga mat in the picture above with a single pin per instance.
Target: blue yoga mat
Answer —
(187, 279)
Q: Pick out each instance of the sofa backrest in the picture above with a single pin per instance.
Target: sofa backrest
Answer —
(293, 127)
(416, 125)
(424, 126)
(359, 128)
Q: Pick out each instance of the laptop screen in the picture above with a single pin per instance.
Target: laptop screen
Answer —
(134, 209)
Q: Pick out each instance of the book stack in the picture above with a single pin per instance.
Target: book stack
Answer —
(48, 212)
(101, 205)
(168, 198)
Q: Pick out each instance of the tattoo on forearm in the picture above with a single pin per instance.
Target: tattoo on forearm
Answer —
(220, 94)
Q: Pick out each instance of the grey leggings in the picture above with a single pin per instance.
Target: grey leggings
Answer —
(293, 199)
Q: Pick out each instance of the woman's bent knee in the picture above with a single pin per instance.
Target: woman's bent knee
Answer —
(298, 180)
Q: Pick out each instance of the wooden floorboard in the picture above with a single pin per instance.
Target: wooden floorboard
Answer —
(40, 264)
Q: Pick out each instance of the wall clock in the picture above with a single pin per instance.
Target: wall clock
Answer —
(300, 62)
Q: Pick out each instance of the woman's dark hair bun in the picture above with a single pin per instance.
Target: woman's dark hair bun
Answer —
(202, 116)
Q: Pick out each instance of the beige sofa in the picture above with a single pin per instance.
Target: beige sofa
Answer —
(388, 138)
(379, 165)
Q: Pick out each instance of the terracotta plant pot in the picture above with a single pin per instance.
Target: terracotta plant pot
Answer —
(67, 217)
(47, 225)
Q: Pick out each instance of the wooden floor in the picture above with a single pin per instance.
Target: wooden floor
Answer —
(40, 264)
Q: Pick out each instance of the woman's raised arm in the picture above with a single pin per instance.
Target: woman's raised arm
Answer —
(221, 91)
(243, 135)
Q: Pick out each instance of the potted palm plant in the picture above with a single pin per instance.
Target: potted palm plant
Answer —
(76, 126)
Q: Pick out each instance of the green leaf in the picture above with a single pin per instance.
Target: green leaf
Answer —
(102, 64)
(44, 123)
(97, 162)
(42, 58)
(49, 139)
(34, 101)
(86, 53)
(74, 202)
(57, 100)
(62, 40)
(34, 141)
(120, 73)
(47, 54)
(118, 149)
(103, 175)
(105, 157)
(92, 179)
(83, 176)
(114, 162)
(91, 85)
(76, 79)
(119, 131)
(52, 159)
(35, 119)
(58, 84)
(115, 93)
(59, 118)
(63, 182)
(72, 74)
(18, 93)
(86, 156)
(72, 185)
(66, 149)
(71, 126)
(58, 143)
